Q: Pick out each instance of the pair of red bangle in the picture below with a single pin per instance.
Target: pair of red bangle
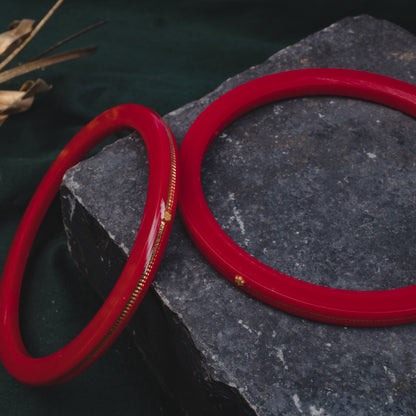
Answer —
(361, 308)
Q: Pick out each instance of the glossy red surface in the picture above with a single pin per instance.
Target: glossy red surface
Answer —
(344, 307)
(138, 272)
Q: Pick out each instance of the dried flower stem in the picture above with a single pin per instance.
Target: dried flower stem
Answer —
(69, 38)
(32, 35)
(43, 62)
(12, 102)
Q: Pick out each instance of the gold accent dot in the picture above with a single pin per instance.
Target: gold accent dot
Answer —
(239, 281)
(167, 216)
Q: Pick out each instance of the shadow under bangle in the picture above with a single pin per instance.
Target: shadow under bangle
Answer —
(140, 267)
(344, 307)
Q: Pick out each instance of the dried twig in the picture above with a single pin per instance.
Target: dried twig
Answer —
(12, 42)
(44, 62)
(32, 35)
(69, 38)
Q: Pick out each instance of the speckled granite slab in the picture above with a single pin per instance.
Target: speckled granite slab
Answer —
(322, 189)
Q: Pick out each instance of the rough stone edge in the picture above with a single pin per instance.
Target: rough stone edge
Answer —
(184, 377)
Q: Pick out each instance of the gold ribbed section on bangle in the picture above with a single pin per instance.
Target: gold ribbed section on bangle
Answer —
(143, 281)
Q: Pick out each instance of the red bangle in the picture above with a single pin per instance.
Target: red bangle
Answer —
(138, 272)
(344, 307)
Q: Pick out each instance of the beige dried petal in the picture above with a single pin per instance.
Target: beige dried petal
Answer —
(21, 105)
(11, 39)
(44, 62)
(12, 42)
(8, 98)
(12, 102)
(32, 34)
(3, 118)
(34, 87)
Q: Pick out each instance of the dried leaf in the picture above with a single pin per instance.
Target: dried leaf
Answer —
(32, 34)
(12, 42)
(69, 38)
(44, 62)
(35, 87)
(3, 119)
(12, 102)
(19, 31)
(7, 98)
(30, 89)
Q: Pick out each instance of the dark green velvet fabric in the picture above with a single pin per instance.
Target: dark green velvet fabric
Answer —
(157, 53)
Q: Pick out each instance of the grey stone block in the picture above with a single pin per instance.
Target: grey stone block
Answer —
(321, 188)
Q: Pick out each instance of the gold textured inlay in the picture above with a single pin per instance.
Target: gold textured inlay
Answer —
(138, 291)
